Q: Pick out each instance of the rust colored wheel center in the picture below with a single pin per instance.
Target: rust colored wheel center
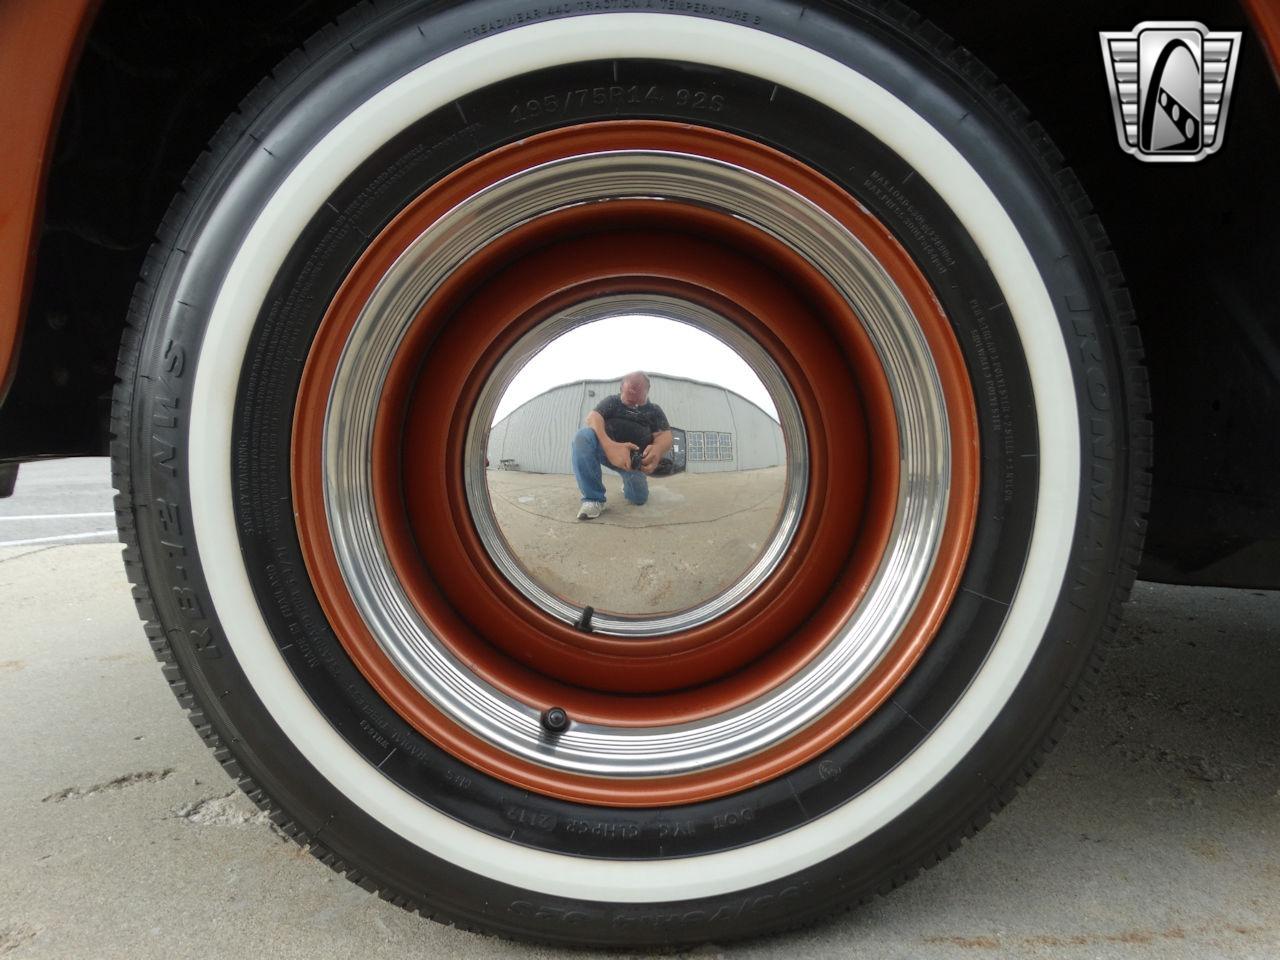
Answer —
(461, 328)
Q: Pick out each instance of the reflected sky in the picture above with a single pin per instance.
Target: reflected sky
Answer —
(608, 349)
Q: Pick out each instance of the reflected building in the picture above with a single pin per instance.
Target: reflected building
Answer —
(721, 431)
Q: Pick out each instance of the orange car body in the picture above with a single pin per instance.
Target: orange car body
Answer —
(39, 45)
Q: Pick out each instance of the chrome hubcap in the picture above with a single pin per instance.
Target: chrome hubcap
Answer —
(924, 444)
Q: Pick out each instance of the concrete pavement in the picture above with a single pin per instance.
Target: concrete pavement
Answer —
(1153, 831)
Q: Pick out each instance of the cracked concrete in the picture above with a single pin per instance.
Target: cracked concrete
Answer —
(119, 783)
(232, 808)
(14, 935)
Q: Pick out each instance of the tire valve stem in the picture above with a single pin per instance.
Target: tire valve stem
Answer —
(555, 720)
(583, 623)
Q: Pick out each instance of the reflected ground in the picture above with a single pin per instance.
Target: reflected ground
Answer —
(697, 534)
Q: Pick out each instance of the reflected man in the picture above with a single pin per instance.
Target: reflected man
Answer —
(626, 433)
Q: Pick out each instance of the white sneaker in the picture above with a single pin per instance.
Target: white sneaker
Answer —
(590, 509)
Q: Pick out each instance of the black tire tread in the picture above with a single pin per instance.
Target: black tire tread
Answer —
(237, 126)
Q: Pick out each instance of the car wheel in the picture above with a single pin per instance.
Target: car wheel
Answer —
(858, 205)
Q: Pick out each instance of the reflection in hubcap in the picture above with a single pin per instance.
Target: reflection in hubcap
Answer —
(706, 535)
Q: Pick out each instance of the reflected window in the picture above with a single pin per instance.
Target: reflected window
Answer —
(710, 445)
(694, 438)
(724, 446)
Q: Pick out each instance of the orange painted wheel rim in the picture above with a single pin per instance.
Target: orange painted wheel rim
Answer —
(470, 320)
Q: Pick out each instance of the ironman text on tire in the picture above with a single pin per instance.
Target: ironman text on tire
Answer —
(845, 195)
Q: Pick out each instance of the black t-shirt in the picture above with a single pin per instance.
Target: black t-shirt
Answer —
(631, 424)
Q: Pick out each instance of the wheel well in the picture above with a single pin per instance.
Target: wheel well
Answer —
(1198, 243)
(157, 79)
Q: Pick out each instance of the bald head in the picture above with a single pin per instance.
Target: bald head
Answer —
(635, 388)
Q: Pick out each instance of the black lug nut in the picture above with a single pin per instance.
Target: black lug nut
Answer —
(555, 720)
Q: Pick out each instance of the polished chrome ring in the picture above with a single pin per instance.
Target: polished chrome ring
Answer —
(924, 444)
(670, 308)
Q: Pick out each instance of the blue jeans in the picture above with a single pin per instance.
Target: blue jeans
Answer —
(588, 458)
